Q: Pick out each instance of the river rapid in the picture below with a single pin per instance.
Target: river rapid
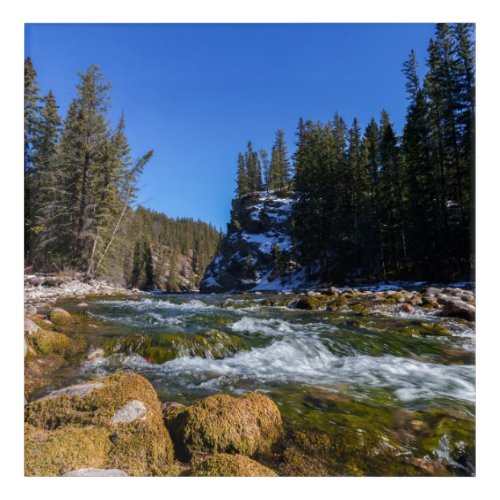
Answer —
(383, 373)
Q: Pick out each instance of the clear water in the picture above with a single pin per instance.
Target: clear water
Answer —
(322, 368)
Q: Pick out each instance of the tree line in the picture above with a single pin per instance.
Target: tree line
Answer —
(372, 204)
(80, 186)
(256, 172)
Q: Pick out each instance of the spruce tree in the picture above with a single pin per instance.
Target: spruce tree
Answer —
(279, 167)
(31, 123)
(242, 181)
(47, 184)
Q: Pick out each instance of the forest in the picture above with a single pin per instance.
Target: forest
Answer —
(81, 187)
(372, 204)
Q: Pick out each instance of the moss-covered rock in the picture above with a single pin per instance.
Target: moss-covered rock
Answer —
(52, 453)
(167, 346)
(47, 342)
(308, 303)
(342, 452)
(418, 328)
(337, 303)
(225, 465)
(247, 425)
(60, 316)
(136, 441)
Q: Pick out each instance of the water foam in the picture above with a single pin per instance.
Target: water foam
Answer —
(270, 327)
(295, 359)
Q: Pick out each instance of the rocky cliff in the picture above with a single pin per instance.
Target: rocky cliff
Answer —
(256, 251)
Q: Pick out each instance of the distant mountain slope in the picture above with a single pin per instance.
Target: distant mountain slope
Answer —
(256, 252)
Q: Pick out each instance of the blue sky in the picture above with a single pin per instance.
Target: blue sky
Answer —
(196, 93)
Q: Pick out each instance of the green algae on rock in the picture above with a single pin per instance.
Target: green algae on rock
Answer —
(167, 346)
(341, 452)
(138, 446)
(247, 425)
(226, 465)
(308, 303)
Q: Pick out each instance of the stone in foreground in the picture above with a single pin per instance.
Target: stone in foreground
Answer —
(96, 473)
(110, 423)
(246, 425)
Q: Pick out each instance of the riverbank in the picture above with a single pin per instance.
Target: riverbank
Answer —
(43, 289)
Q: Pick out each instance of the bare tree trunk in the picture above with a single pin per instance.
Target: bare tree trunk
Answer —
(125, 205)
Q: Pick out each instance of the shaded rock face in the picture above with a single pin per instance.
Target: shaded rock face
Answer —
(254, 254)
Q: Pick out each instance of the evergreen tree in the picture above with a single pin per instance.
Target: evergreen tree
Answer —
(46, 183)
(242, 181)
(31, 123)
(278, 177)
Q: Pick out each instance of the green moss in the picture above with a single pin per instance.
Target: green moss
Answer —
(166, 346)
(141, 447)
(361, 309)
(53, 453)
(337, 303)
(341, 452)
(222, 423)
(308, 303)
(275, 302)
(46, 342)
(60, 316)
(225, 465)
(421, 328)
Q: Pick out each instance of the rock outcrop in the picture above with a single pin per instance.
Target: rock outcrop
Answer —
(256, 251)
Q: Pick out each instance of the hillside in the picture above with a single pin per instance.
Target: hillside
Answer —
(166, 254)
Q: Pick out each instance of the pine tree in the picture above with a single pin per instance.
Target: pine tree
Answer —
(242, 181)
(279, 167)
(31, 123)
(392, 202)
(253, 169)
(46, 182)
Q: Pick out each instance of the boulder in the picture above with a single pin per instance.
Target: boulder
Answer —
(114, 422)
(47, 342)
(60, 316)
(247, 425)
(225, 465)
(308, 303)
(82, 305)
(458, 309)
(406, 308)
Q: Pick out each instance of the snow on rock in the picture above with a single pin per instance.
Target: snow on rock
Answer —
(259, 232)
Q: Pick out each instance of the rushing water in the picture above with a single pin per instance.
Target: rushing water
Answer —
(377, 372)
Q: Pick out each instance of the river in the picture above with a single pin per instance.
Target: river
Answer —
(384, 373)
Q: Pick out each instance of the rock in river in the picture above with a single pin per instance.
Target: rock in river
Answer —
(221, 423)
